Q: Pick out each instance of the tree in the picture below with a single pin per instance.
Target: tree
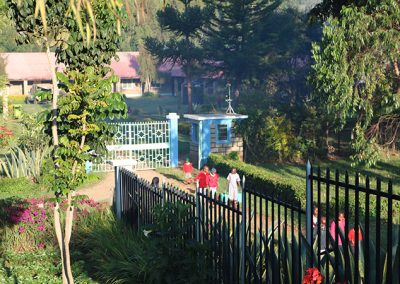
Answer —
(235, 44)
(184, 46)
(356, 75)
(77, 121)
(322, 11)
(146, 25)
(3, 84)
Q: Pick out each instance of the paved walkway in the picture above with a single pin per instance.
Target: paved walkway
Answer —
(104, 190)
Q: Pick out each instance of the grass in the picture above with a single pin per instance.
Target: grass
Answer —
(21, 187)
(153, 107)
(34, 108)
(295, 174)
(92, 179)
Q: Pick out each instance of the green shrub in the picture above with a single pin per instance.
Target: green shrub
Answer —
(234, 156)
(118, 254)
(22, 162)
(261, 180)
(184, 128)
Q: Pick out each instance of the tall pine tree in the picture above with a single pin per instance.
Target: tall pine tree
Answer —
(235, 41)
(184, 46)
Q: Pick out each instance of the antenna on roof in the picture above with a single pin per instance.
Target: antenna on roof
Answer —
(229, 110)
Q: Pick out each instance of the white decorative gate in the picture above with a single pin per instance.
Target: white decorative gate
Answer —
(146, 143)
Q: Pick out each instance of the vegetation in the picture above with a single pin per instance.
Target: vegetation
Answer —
(76, 122)
(345, 80)
(236, 39)
(184, 48)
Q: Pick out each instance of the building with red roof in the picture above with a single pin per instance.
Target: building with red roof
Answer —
(28, 70)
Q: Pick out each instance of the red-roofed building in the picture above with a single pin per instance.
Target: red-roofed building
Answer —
(25, 70)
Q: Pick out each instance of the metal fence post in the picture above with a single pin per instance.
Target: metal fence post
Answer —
(118, 192)
(243, 233)
(309, 205)
(198, 226)
(163, 194)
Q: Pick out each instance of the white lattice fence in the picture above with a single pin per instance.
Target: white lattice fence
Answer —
(147, 143)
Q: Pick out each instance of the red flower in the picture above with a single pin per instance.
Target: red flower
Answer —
(313, 276)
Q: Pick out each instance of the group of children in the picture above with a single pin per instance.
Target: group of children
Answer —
(207, 179)
(341, 222)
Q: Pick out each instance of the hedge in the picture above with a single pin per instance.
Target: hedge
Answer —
(261, 180)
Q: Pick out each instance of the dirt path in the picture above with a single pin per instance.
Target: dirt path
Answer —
(104, 190)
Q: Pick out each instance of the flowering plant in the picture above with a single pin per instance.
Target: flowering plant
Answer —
(5, 135)
(33, 221)
(313, 276)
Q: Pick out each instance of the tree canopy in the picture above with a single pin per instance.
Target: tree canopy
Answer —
(356, 75)
(186, 27)
(235, 40)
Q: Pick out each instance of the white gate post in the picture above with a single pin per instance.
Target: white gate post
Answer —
(173, 139)
(117, 164)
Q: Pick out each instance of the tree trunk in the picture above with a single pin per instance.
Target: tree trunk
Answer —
(327, 139)
(5, 103)
(189, 93)
(54, 105)
(397, 73)
(67, 277)
(147, 84)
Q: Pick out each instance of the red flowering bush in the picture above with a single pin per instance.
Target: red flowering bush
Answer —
(32, 219)
(5, 135)
(313, 276)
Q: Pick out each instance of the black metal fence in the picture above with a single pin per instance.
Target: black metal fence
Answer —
(263, 239)
(356, 230)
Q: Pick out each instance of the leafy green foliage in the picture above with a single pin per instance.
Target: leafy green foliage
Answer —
(82, 123)
(79, 53)
(32, 136)
(184, 47)
(270, 135)
(118, 254)
(323, 10)
(23, 162)
(31, 29)
(355, 75)
(236, 39)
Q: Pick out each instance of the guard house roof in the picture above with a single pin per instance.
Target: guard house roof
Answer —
(214, 116)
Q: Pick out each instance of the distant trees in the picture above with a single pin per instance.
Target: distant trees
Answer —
(184, 46)
(235, 41)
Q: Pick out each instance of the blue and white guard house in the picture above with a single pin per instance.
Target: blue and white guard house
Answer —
(213, 133)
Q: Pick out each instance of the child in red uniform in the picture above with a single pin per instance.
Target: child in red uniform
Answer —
(212, 181)
(187, 169)
(202, 178)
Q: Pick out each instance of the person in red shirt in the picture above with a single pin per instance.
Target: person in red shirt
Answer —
(202, 178)
(352, 236)
(187, 169)
(212, 181)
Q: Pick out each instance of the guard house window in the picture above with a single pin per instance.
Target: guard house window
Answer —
(222, 132)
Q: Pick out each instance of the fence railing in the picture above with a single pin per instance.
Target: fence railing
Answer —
(357, 229)
(263, 239)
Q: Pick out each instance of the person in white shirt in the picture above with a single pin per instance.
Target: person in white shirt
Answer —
(233, 184)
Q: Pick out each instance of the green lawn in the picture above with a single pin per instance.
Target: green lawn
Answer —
(153, 107)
